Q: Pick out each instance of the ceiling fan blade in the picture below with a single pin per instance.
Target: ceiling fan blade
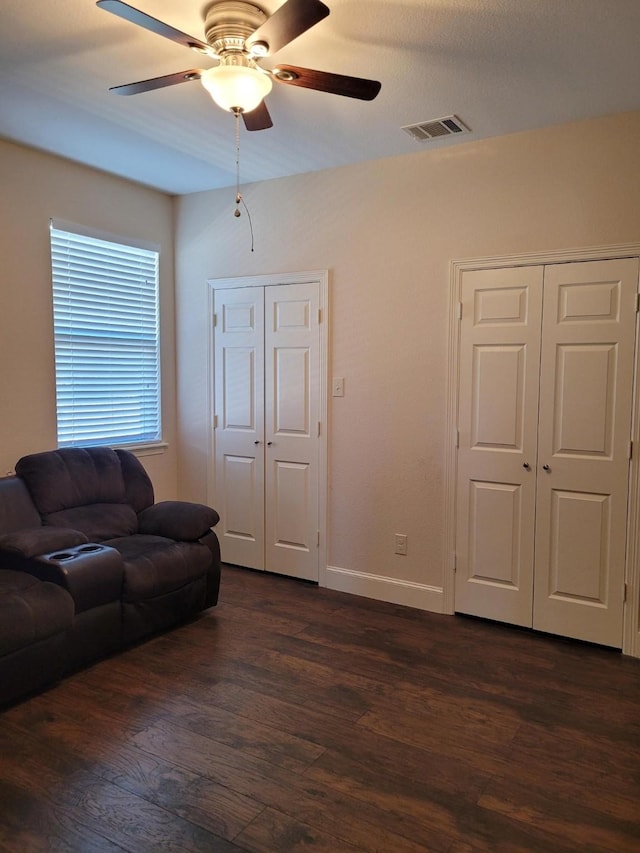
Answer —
(288, 22)
(157, 82)
(258, 119)
(322, 81)
(135, 16)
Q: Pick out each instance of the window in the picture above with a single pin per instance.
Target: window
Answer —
(105, 307)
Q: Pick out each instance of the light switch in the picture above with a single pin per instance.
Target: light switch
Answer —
(337, 386)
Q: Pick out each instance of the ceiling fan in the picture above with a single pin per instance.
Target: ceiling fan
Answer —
(239, 34)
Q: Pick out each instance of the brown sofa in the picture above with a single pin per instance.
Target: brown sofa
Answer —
(83, 522)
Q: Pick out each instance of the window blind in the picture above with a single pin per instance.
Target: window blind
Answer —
(105, 305)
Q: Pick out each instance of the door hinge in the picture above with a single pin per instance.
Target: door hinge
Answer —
(318, 543)
(319, 315)
(455, 563)
(637, 302)
(625, 594)
(457, 438)
(215, 320)
(459, 310)
(215, 422)
(631, 450)
(319, 428)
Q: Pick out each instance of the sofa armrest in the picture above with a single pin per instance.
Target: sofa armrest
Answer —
(40, 540)
(213, 575)
(92, 574)
(180, 520)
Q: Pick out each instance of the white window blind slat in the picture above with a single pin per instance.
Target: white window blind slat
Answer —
(105, 300)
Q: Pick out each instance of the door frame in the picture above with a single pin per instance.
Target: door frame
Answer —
(631, 608)
(321, 278)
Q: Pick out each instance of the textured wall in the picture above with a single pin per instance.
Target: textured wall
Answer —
(387, 231)
(35, 188)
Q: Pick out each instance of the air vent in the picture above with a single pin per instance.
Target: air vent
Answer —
(426, 130)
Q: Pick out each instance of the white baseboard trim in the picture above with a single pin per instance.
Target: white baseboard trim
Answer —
(383, 588)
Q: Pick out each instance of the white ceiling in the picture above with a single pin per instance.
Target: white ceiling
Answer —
(502, 66)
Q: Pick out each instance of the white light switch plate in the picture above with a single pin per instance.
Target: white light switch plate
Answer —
(337, 386)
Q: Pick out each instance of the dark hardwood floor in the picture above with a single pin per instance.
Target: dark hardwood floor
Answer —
(292, 717)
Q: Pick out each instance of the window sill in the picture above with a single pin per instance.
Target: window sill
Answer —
(154, 449)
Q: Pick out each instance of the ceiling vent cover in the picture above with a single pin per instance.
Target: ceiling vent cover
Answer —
(426, 130)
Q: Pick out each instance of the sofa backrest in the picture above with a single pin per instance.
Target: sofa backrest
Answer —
(137, 485)
(86, 489)
(17, 511)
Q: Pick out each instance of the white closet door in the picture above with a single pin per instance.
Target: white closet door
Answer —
(583, 452)
(498, 412)
(292, 409)
(267, 393)
(239, 393)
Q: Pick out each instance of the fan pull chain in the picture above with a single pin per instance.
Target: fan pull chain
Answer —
(236, 212)
(239, 198)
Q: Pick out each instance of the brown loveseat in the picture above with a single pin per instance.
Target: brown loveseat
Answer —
(106, 565)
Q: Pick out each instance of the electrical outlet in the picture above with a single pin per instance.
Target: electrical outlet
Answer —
(401, 544)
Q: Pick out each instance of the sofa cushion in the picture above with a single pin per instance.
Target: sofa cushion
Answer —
(16, 507)
(72, 477)
(30, 610)
(138, 486)
(97, 521)
(154, 565)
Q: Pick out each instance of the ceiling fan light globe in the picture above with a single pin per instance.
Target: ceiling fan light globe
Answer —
(236, 87)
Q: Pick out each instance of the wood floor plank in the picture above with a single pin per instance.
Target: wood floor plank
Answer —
(568, 765)
(305, 798)
(476, 739)
(212, 807)
(291, 717)
(273, 830)
(379, 753)
(29, 822)
(138, 824)
(562, 817)
(103, 809)
(431, 815)
(250, 736)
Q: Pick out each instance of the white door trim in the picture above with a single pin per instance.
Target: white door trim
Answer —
(631, 626)
(321, 277)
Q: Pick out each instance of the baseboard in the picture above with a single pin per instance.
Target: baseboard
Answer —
(383, 588)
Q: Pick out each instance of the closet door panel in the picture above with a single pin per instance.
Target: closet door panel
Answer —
(497, 420)
(584, 430)
(239, 394)
(292, 412)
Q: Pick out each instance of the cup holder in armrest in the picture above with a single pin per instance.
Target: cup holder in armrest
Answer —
(90, 572)
(78, 551)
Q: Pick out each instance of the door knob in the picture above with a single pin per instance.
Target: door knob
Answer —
(546, 468)
(269, 443)
(256, 442)
(526, 465)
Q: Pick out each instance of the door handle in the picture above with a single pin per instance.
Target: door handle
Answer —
(526, 465)
(546, 468)
(256, 442)
(269, 443)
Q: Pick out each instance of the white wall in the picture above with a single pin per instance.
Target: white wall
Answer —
(387, 231)
(35, 188)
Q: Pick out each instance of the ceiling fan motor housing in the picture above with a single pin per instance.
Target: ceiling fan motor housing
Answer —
(228, 23)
